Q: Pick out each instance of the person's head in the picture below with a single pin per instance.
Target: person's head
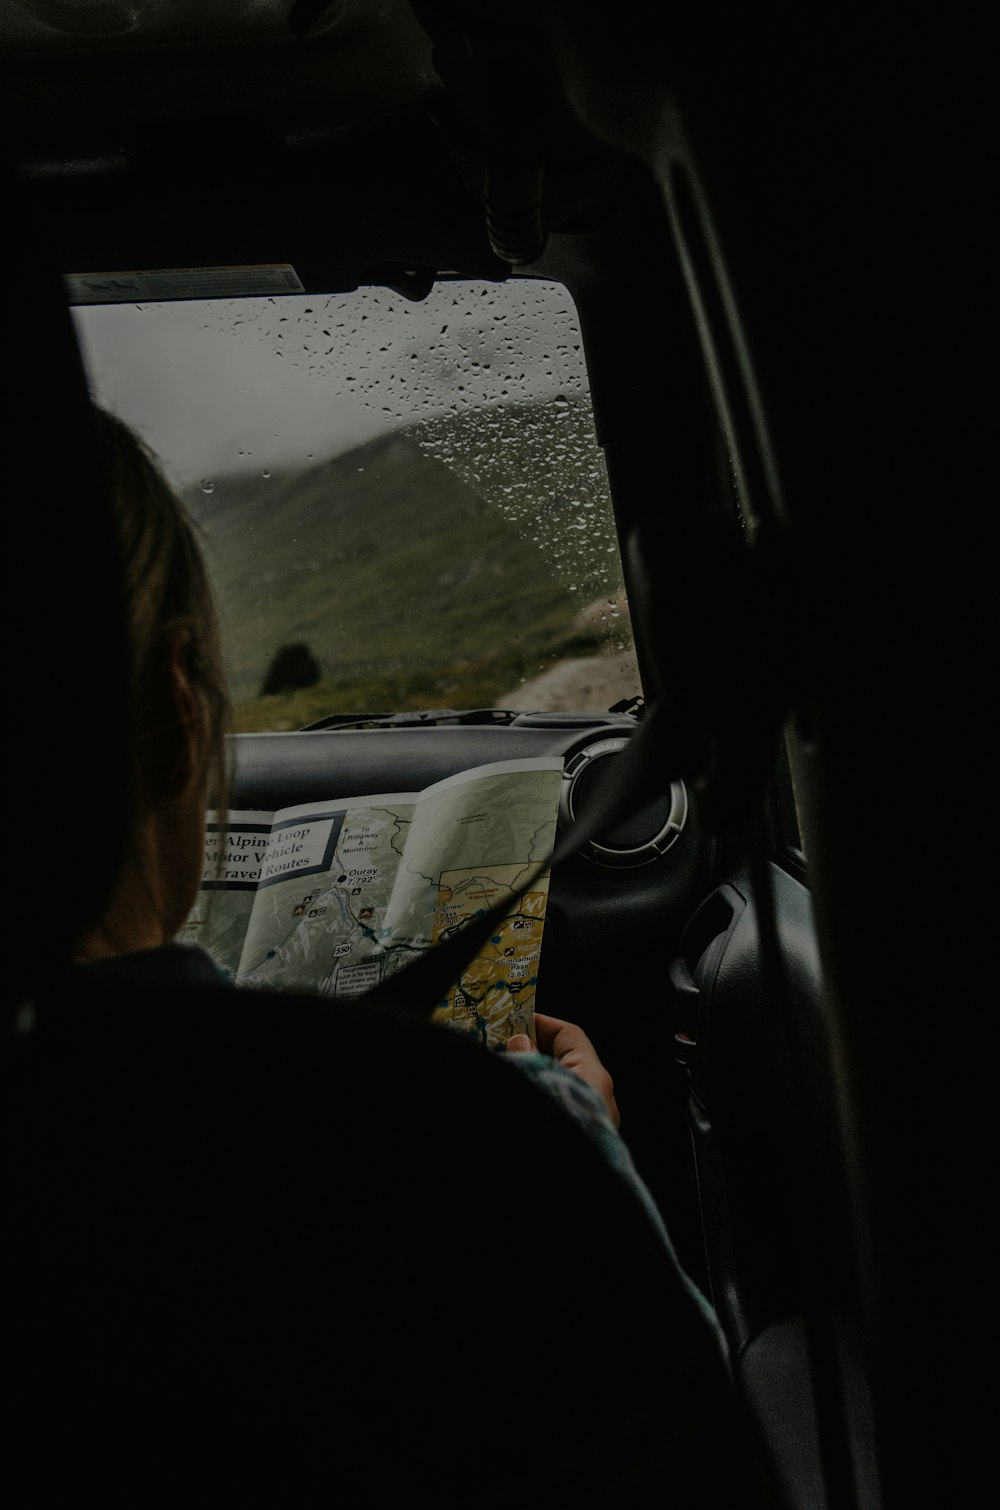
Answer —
(178, 703)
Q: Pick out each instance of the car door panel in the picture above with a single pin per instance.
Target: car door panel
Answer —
(755, 1041)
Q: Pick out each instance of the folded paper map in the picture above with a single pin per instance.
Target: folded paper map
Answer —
(333, 897)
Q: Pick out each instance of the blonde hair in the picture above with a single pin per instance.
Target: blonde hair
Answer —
(166, 589)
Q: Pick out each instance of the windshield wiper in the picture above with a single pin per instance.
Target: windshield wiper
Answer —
(430, 716)
(631, 707)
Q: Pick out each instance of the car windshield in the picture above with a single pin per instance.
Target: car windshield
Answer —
(404, 502)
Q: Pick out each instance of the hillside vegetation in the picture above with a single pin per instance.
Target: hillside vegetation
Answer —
(407, 587)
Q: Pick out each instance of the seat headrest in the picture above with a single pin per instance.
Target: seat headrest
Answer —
(63, 651)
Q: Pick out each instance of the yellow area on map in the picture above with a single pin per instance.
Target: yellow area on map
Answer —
(496, 994)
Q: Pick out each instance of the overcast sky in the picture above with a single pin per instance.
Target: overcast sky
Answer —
(216, 386)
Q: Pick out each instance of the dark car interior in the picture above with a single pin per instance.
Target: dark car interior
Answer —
(757, 909)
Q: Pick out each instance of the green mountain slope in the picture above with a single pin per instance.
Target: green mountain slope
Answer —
(409, 590)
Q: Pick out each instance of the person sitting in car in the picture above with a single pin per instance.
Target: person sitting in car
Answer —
(178, 691)
(256, 1257)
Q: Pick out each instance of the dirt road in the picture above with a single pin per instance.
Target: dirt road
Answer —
(590, 685)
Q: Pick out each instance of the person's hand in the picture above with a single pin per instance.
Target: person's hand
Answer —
(570, 1047)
